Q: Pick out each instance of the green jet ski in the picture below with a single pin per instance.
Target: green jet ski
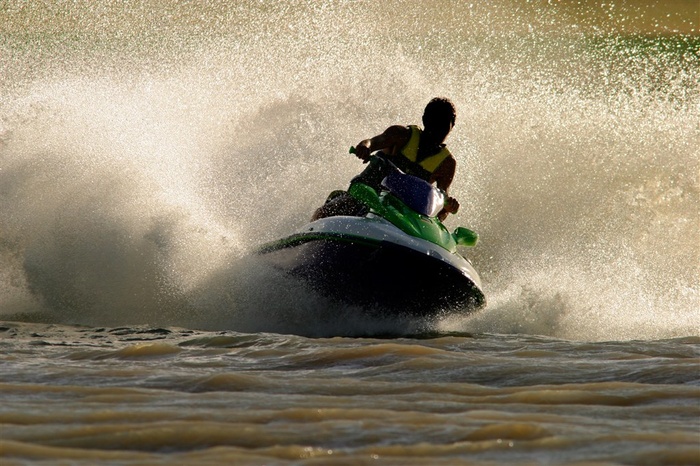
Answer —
(395, 259)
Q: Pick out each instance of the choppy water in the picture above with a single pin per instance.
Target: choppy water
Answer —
(146, 147)
(177, 396)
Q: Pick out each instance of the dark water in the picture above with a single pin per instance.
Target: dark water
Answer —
(145, 148)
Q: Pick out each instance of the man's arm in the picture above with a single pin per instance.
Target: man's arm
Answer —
(444, 174)
(443, 177)
(392, 137)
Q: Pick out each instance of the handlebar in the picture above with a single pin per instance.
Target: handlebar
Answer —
(396, 169)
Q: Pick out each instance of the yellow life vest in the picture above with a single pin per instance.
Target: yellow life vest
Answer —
(410, 152)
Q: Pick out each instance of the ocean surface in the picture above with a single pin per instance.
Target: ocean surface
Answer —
(147, 147)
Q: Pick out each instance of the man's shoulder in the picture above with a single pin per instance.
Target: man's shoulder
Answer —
(399, 130)
(446, 151)
(398, 134)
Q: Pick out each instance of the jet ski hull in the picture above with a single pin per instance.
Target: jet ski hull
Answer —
(368, 262)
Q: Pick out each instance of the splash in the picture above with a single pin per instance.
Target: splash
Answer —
(139, 163)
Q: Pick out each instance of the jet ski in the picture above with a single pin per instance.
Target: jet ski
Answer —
(395, 259)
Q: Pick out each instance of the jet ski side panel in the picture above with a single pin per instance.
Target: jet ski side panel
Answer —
(377, 274)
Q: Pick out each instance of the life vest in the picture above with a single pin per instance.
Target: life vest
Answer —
(410, 164)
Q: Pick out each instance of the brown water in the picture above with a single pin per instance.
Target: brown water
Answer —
(147, 147)
(142, 395)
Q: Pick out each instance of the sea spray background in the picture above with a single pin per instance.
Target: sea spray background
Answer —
(146, 147)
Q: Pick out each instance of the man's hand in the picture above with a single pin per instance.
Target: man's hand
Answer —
(451, 205)
(362, 152)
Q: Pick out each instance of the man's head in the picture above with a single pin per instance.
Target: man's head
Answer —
(439, 117)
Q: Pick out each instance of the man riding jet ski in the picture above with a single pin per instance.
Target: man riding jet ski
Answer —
(381, 244)
(417, 152)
